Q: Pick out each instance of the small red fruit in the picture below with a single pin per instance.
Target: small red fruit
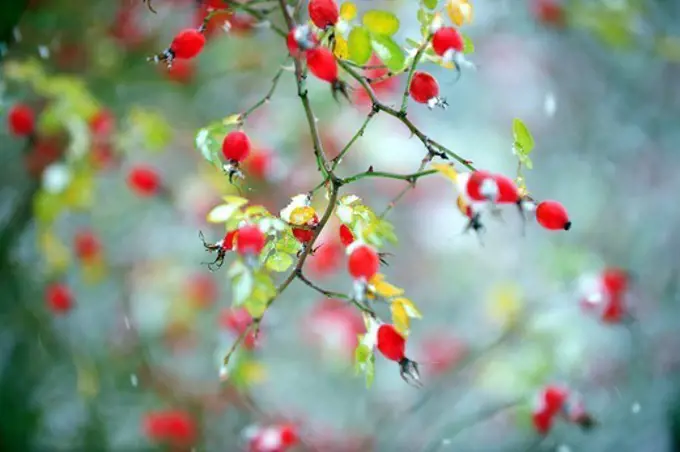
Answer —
(102, 124)
(424, 89)
(326, 258)
(21, 120)
(323, 13)
(542, 421)
(346, 235)
(446, 41)
(481, 186)
(615, 280)
(86, 244)
(259, 164)
(552, 216)
(289, 435)
(173, 426)
(507, 190)
(187, 44)
(554, 398)
(549, 12)
(390, 343)
(238, 320)
(250, 240)
(305, 235)
(236, 146)
(363, 263)
(144, 181)
(59, 298)
(322, 64)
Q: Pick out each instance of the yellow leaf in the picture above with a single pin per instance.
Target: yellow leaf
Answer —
(383, 288)
(462, 205)
(253, 372)
(381, 22)
(237, 200)
(55, 253)
(80, 192)
(340, 48)
(400, 318)
(301, 215)
(460, 11)
(410, 308)
(505, 303)
(348, 11)
(231, 120)
(221, 213)
(445, 170)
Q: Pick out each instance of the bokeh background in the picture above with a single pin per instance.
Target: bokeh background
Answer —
(597, 85)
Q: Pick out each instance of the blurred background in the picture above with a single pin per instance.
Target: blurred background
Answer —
(112, 331)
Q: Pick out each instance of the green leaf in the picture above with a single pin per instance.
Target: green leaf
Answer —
(263, 291)
(362, 354)
(468, 45)
(205, 142)
(524, 142)
(430, 4)
(279, 262)
(359, 43)
(389, 52)
(370, 371)
(288, 244)
(424, 18)
(155, 130)
(381, 22)
(242, 282)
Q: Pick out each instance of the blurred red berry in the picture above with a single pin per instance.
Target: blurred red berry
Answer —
(187, 44)
(172, 426)
(181, 71)
(323, 13)
(363, 263)
(258, 164)
(346, 236)
(321, 63)
(87, 245)
(552, 216)
(201, 289)
(549, 12)
(59, 298)
(250, 240)
(21, 120)
(102, 124)
(446, 40)
(144, 180)
(390, 343)
(326, 258)
(236, 146)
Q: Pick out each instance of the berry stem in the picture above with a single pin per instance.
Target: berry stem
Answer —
(266, 98)
(351, 142)
(416, 59)
(407, 177)
(427, 142)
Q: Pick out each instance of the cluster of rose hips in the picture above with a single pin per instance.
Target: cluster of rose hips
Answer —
(273, 438)
(481, 188)
(555, 401)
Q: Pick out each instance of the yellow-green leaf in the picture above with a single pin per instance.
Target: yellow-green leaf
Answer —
(301, 215)
(430, 4)
(389, 52)
(410, 308)
(460, 11)
(445, 170)
(231, 119)
(279, 262)
(221, 213)
(236, 200)
(505, 303)
(348, 11)
(400, 318)
(156, 131)
(381, 22)
(524, 141)
(55, 253)
(383, 288)
(340, 47)
(468, 45)
(359, 45)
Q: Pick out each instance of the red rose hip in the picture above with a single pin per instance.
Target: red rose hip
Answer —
(323, 13)
(249, 240)
(424, 89)
(144, 181)
(21, 120)
(363, 263)
(552, 216)
(236, 146)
